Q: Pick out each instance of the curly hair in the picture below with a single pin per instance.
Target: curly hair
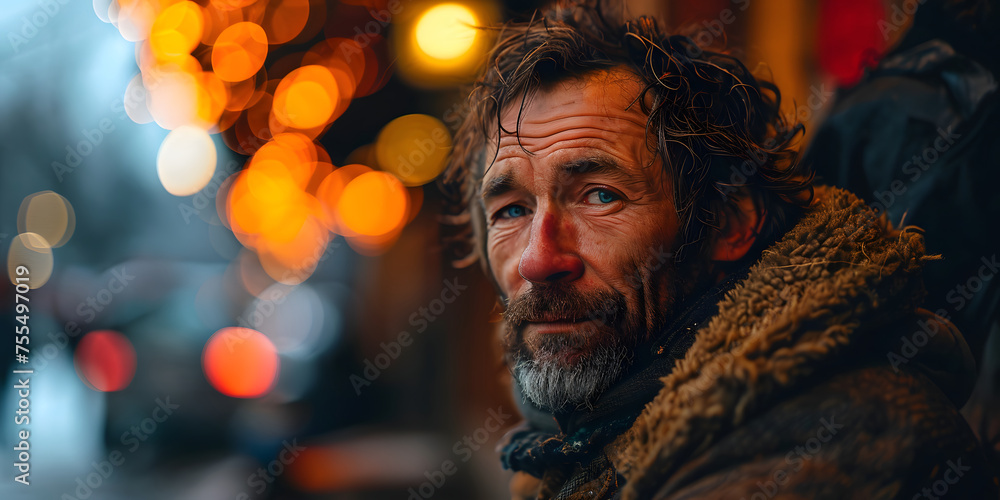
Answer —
(717, 128)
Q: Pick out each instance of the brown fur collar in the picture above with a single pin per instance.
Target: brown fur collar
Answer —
(816, 297)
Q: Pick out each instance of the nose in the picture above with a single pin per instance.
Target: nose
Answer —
(550, 256)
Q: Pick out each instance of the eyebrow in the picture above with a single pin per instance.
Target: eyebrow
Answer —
(500, 185)
(505, 182)
(597, 165)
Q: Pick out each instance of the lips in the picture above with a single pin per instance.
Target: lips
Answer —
(563, 325)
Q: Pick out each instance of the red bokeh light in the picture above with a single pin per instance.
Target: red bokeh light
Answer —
(105, 360)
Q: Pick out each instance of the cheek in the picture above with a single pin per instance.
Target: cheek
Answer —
(618, 249)
(504, 253)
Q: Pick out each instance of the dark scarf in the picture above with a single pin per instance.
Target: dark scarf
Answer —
(580, 435)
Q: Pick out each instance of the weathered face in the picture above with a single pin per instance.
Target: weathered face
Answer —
(580, 234)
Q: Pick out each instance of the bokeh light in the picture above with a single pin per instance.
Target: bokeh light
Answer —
(177, 30)
(446, 31)
(101, 9)
(282, 20)
(135, 101)
(239, 52)
(306, 97)
(220, 66)
(332, 188)
(134, 18)
(414, 148)
(179, 96)
(186, 161)
(294, 318)
(373, 204)
(33, 252)
(240, 362)
(49, 215)
(105, 360)
(440, 45)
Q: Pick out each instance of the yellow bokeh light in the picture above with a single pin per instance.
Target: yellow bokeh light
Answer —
(414, 148)
(48, 215)
(31, 251)
(373, 204)
(186, 160)
(446, 31)
(177, 30)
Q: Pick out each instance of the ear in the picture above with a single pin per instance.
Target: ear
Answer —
(741, 223)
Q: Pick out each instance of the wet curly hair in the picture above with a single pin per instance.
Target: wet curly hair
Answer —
(717, 128)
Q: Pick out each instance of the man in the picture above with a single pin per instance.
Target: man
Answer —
(685, 316)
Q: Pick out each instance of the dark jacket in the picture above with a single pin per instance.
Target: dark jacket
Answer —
(813, 374)
(917, 139)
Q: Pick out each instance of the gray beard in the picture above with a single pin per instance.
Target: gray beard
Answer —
(553, 386)
(608, 344)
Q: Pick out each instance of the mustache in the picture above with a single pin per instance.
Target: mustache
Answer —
(549, 303)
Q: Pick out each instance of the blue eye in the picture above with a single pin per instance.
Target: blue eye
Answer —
(602, 196)
(511, 212)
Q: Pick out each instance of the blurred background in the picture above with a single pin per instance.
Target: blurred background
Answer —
(231, 236)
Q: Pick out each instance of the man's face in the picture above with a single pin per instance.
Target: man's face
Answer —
(580, 234)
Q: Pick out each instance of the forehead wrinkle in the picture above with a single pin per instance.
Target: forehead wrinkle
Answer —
(593, 135)
(611, 120)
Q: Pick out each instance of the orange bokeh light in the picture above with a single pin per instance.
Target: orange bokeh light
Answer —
(241, 94)
(329, 191)
(239, 52)
(307, 97)
(217, 19)
(240, 362)
(294, 260)
(283, 20)
(105, 360)
(373, 204)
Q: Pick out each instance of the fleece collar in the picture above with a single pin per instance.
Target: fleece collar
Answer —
(827, 291)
